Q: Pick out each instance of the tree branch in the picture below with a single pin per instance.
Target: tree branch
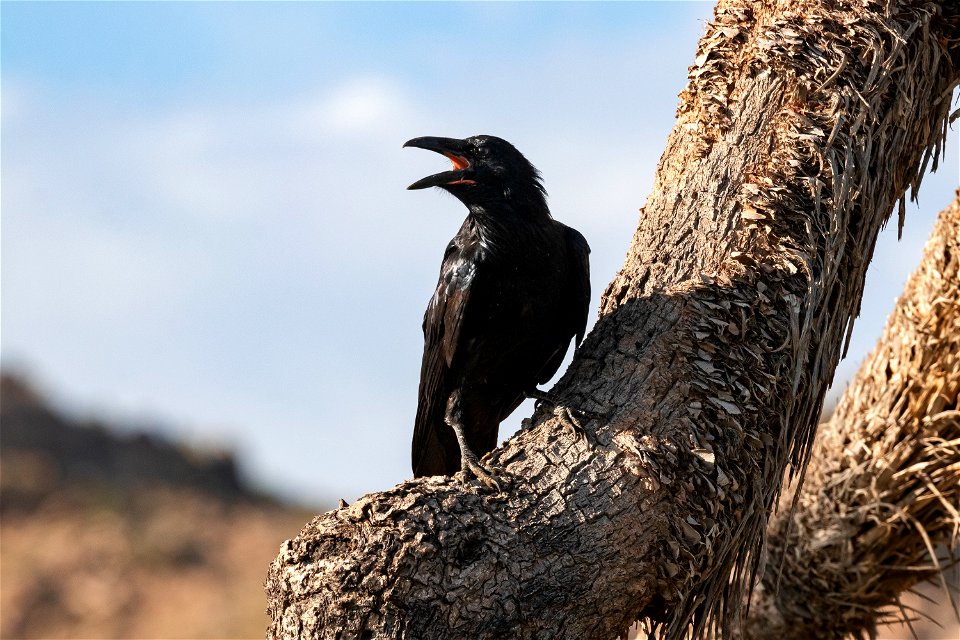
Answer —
(883, 488)
(802, 125)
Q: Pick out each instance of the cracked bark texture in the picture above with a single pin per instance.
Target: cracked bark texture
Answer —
(882, 494)
(801, 127)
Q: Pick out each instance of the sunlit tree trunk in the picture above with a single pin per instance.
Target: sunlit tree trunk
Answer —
(882, 493)
(801, 127)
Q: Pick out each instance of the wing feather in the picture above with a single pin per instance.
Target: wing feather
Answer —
(576, 303)
(579, 252)
(435, 449)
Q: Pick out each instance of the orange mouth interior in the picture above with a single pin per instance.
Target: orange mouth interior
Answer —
(459, 164)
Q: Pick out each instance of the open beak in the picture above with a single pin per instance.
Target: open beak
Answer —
(455, 150)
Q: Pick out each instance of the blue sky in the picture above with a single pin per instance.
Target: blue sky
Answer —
(205, 227)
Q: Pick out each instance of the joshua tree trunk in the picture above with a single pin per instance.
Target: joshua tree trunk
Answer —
(882, 493)
(801, 127)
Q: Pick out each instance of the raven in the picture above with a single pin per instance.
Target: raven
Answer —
(514, 289)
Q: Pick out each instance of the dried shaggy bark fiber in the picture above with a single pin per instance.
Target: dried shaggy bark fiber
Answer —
(809, 173)
(801, 127)
(880, 505)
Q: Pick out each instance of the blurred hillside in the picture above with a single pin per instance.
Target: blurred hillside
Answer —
(129, 536)
(110, 536)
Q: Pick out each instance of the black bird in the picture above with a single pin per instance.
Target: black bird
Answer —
(513, 291)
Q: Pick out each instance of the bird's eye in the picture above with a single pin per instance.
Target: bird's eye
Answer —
(483, 152)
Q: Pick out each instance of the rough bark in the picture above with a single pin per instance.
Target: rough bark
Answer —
(801, 127)
(882, 493)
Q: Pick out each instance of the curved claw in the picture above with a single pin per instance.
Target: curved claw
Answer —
(469, 465)
(565, 414)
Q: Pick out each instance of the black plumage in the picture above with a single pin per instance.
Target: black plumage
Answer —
(514, 289)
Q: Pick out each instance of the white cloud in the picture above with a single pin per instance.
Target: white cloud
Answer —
(13, 101)
(359, 106)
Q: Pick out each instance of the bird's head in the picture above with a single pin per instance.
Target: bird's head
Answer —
(486, 170)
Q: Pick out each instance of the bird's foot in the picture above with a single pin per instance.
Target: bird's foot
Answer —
(576, 418)
(567, 415)
(469, 465)
(584, 414)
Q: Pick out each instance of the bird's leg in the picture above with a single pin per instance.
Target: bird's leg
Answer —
(561, 410)
(469, 464)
